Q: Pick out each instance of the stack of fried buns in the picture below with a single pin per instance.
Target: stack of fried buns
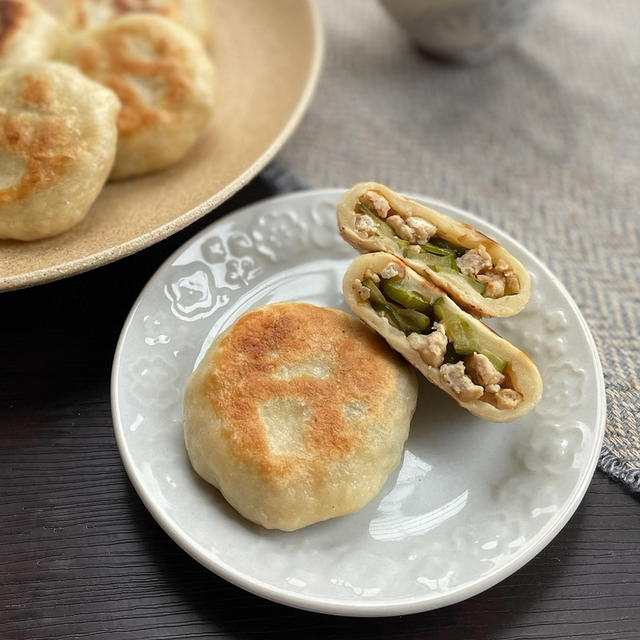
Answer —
(113, 89)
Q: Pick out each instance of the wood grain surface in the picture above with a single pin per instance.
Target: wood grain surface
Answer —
(81, 557)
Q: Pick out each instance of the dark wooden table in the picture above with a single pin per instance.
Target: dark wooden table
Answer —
(81, 556)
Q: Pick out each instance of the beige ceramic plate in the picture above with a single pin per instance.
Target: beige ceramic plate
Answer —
(268, 58)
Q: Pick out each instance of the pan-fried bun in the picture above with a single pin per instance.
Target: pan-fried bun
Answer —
(297, 414)
(57, 143)
(164, 79)
(27, 32)
(193, 14)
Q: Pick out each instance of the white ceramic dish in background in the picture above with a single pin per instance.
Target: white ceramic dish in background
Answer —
(471, 502)
(469, 31)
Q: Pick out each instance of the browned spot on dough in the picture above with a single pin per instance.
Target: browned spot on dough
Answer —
(79, 15)
(478, 236)
(127, 6)
(44, 141)
(35, 91)
(241, 379)
(120, 7)
(110, 61)
(12, 15)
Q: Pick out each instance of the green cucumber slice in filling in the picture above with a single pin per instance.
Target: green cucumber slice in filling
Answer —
(414, 321)
(461, 335)
(444, 263)
(438, 251)
(407, 320)
(457, 329)
(437, 263)
(398, 292)
(499, 363)
(478, 286)
(388, 312)
(376, 296)
(445, 245)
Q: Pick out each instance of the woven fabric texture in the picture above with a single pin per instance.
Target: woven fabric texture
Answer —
(544, 141)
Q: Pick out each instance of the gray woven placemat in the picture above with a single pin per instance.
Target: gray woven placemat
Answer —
(544, 142)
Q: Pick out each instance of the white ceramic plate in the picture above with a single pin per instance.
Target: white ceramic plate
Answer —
(471, 502)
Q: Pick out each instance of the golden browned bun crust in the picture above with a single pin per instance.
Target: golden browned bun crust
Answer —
(522, 372)
(297, 414)
(165, 82)
(193, 14)
(57, 144)
(458, 233)
(27, 32)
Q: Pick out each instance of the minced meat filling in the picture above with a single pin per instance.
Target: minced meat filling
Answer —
(376, 217)
(442, 339)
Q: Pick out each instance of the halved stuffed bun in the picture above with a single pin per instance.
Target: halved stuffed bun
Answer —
(477, 272)
(481, 371)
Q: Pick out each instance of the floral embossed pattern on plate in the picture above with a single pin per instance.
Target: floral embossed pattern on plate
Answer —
(471, 502)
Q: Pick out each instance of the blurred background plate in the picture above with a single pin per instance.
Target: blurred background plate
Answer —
(268, 57)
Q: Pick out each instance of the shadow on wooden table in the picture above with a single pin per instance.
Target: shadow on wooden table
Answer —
(216, 606)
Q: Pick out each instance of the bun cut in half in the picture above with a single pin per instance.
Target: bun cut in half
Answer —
(481, 371)
(475, 271)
